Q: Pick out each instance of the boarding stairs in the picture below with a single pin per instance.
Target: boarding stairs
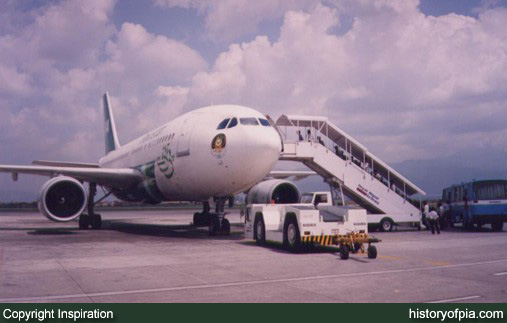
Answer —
(349, 168)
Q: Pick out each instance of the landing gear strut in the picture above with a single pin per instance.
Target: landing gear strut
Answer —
(91, 219)
(218, 222)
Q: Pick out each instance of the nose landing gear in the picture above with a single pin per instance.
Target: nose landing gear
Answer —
(216, 222)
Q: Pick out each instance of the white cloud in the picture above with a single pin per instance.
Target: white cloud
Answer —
(395, 72)
(55, 67)
(227, 20)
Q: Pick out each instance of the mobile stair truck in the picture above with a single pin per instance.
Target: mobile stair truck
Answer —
(303, 225)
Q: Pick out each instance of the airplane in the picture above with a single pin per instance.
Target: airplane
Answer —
(216, 151)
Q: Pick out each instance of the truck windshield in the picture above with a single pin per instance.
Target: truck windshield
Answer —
(306, 198)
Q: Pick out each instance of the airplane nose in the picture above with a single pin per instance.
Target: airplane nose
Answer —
(265, 147)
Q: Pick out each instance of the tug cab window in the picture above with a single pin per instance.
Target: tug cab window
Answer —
(234, 123)
(264, 122)
(223, 124)
(249, 121)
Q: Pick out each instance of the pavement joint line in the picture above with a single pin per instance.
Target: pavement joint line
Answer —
(500, 274)
(244, 283)
(454, 299)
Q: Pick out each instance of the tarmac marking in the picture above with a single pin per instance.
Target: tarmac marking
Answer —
(454, 299)
(500, 274)
(437, 263)
(244, 283)
(389, 257)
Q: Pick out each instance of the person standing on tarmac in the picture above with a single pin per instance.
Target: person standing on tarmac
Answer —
(433, 221)
(426, 211)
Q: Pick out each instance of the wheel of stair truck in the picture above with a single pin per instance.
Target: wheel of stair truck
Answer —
(344, 252)
(497, 226)
(372, 252)
(291, 236)
(386, 225)
(259, 230)
(226, 226)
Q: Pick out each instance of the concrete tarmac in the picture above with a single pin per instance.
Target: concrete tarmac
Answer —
(157, 256)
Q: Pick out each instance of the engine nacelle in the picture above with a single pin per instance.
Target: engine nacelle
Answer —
(277, 190)
(62, 199)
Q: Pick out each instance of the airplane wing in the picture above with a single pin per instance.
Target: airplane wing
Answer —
(63, 164)
(283, 174)
(117, 177)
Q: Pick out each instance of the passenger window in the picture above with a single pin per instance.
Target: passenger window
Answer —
(249, 121)
(234, 123)
(323, 198)
(264, 122)
(223, 124)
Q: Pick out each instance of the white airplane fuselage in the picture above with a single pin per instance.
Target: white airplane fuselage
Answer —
(190, 159)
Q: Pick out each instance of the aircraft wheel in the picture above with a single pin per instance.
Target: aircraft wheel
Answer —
(96, 221)
(214, 226)
(372, 252)
(84, 222)
(197, 219)
(344, 252)
(260, 231)
(226, 226)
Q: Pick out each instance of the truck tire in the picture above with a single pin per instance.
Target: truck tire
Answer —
(291, 236)
(386, 225)
(497, 226)
(344, 252)
(372, 252)
(259, 230)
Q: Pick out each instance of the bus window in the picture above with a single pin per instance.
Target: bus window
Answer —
(490, 191)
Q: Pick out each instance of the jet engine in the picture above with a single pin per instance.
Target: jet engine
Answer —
(62, 199)
(273, 190)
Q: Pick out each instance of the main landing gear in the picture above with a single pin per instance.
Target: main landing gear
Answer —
(216, 222)
(91, 219)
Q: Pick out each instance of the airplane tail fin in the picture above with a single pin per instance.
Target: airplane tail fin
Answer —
(109, 126)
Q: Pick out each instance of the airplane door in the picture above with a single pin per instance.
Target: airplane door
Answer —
(182, 148)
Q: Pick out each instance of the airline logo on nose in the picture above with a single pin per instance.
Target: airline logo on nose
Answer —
(218, 143)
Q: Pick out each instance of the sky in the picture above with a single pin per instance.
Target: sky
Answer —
(422, 84)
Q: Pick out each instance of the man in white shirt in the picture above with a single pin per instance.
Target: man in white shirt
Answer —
(433, 221)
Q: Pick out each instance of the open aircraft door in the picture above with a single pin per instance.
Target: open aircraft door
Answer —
(183, 145)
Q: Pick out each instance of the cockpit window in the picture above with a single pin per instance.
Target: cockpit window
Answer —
(223, 124)
(249, 121)
(234, 123)
(264, 122)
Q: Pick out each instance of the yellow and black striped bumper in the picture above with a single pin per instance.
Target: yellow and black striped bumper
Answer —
(323, 239)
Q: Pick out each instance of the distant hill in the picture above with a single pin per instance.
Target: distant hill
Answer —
(18, 196)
